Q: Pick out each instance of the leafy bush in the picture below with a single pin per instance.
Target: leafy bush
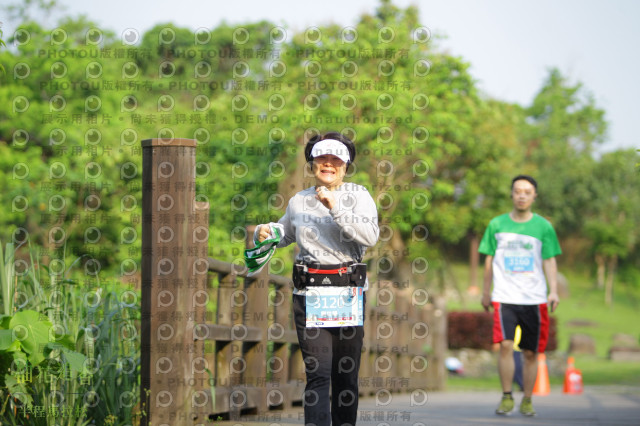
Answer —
(69, 354)
(474, 330)
(471, 330)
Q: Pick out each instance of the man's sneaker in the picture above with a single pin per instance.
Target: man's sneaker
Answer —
(506, 405)
(526, 407)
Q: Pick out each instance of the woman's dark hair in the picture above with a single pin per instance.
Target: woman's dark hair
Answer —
(331, 135)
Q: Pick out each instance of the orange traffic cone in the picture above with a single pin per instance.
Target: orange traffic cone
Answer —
(541, 387)
(572, 378)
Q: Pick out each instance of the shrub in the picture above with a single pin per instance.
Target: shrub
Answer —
(69, 354)
(474, 330)
(470, 330)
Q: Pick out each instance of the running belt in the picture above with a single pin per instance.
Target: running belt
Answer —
(257, 257)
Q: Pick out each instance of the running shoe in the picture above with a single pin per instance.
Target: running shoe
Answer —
(506, 405)
(526, 407)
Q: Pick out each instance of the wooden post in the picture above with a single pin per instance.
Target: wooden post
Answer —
(402, 324)
(281, 332)
(256, 318)
(170, 280)
(474, 262)
(439, 343)
(201, 401)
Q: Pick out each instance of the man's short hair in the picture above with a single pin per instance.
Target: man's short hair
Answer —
(528, 178)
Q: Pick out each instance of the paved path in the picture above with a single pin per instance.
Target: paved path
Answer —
(596, 406)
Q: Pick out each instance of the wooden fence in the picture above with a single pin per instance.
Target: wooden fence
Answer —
(218, 343)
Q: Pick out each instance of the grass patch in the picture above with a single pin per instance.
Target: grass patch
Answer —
(599, 371)
(596, 371)
(461, 383)
(585, 302)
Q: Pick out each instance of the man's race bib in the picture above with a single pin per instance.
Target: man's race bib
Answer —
(518, 264)
(334, 306)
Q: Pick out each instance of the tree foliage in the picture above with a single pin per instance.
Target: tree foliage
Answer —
(436, 155)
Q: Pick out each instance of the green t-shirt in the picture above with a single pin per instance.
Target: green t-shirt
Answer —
(518, 249)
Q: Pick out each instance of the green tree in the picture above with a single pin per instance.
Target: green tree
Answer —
(564, 126)
(65, 178)
(491, 161)
(412, 112)
(2, 44)
(613, 218)
(434, 152)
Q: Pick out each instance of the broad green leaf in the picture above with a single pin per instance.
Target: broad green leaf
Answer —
(32, 330)
(67, 342)
(74, 359)
(18, 390)
(6, 338)
(4, 321)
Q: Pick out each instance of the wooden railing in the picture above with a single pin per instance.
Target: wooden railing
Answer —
(218, 343)
(403, 334)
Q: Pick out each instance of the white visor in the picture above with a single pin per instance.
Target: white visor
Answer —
(331, 147)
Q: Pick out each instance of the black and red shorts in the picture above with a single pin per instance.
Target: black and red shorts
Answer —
(532, 319)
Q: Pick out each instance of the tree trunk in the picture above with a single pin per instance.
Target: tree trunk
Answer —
(474, 261)
(608, 291)
(455, 285)
(601, 271)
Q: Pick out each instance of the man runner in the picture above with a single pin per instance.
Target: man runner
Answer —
(520, 249)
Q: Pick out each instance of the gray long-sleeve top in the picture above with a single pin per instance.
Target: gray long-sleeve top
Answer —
(325, 236)
(328, 237)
